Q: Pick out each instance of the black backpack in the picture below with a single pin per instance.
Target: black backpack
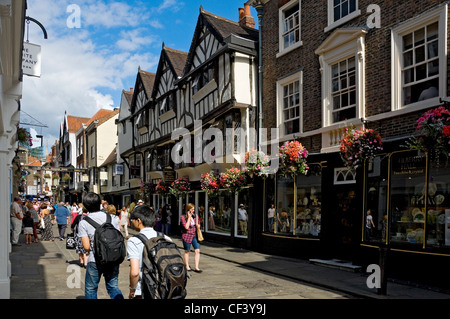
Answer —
(164, 274)
(109, 244)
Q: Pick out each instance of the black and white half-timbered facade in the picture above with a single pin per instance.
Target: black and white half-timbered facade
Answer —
(180, 116)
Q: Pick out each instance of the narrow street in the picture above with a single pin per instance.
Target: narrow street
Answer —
(47, 270)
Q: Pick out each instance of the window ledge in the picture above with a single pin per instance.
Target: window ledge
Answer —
(204, 91)
(342, 20)
(167, 116)
(291, 48)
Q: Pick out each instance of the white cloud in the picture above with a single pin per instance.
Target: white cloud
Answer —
(132, 40)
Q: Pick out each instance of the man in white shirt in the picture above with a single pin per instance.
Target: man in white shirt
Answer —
(142, 218)
(242, 217)
(16, 220)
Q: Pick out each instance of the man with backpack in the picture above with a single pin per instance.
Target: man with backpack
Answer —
(157, 270)
(99, 236)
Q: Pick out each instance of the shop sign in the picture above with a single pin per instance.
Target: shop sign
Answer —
(135, 171)
(118, 169)
(408, 165)
(169, 175)
(31, 59)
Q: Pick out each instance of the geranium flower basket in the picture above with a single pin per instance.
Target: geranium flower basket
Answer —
(293, 159)
(180, 187)
(162, 189)
(433, 129)
(210, 183)
(145, 191)
(256, 163)
(359, 145)
(233, 179)
(24, 137)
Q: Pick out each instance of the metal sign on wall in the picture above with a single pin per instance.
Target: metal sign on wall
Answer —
(31, 59)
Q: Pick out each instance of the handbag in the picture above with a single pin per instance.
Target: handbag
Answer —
(199, 231)
(70, 241)
(199, 234)
(41, 223)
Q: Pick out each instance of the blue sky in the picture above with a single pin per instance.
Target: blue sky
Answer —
(85, 68)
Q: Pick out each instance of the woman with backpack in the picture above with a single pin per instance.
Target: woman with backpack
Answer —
(189, 223)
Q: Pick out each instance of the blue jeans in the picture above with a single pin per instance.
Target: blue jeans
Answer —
(92, 279)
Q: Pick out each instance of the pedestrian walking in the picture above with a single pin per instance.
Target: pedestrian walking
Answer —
(124, 220)
(189, 223)
(82, 253)
(47, 233)
(35, 216)
(16, 220)
(28, 227)
(74, 211)
(166, 220)
(142, 219)
(369, 224)
(62, 216)
(94, 272)
(271, 217)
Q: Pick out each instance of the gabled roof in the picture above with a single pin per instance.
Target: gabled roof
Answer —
(148, 81)
(175, 59)
(128, 95)
(112, 158)
(102, 116)
(221, 28)
(74, 123)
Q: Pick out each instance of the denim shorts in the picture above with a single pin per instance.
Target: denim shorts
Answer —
(195, 243)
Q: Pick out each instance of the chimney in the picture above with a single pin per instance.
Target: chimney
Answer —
(245, 17)
(131, 90)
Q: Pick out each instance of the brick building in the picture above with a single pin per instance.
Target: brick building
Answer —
(330, 65)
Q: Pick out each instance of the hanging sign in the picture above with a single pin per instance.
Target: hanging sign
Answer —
(31, 59)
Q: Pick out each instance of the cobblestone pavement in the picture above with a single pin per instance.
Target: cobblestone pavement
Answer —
(47, 270)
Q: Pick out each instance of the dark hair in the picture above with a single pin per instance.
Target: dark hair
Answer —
(145, 214)
(91, 202)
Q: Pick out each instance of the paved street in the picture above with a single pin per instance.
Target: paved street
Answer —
(47, 270)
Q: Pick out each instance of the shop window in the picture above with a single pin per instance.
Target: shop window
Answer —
(438, 203)
(309, 202)
(299, 204)
(407, 197)
(419, 52)
(219, 213)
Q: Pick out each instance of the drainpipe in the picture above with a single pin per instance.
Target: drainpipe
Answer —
(259, 7)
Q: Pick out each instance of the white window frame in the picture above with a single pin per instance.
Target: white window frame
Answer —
(281, 83)
(282, 50)
(342, 45)
(437, 15)
(333, 24)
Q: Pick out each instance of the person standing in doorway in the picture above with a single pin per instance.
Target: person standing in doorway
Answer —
(243, 219)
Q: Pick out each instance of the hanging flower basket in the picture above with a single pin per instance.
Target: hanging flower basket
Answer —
(210, 183)
(359, 145)
(256, 163)
(434, 132)
(293, 159)
(24, 137)
(180, 187)
(233, 179)
(162, 189)
(145, 191)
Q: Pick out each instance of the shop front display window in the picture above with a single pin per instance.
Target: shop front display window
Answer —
(438, 203)
(309, 202)
(299, 204)
(408, 197)
(219, 213)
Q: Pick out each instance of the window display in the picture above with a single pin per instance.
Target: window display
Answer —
(438, 203)
(298, 209)
(408, 176)
(219, 213)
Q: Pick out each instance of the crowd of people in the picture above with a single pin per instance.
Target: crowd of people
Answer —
(31, 217)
